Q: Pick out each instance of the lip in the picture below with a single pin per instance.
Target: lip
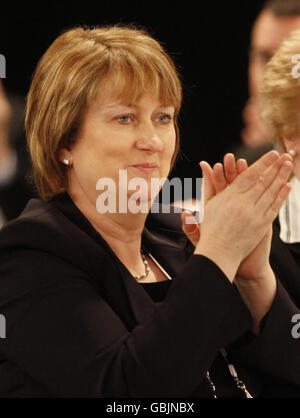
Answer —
(146, 167)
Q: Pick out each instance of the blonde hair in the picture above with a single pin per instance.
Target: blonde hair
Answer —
(67, 79)
(280, 91)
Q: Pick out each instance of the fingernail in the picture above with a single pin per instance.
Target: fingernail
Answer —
(286, 157)
(286, 168)
(218, 165)
(274, 155)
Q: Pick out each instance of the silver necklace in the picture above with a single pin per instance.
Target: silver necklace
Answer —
(147, 268)
(239, 383)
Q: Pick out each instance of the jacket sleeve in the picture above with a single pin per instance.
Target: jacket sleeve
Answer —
(275, 353)
(64, 335)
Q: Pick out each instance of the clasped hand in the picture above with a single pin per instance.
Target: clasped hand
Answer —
(241, 204)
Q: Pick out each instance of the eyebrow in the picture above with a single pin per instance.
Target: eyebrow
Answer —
(118, 104)
(132, 105)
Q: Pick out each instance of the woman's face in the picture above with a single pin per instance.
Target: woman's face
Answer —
(138, 137)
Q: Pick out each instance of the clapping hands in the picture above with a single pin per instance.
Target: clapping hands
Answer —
(240, 206)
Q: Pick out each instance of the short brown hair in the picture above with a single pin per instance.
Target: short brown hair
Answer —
(67, 79)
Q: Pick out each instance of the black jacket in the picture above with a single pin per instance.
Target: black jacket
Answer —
(285, 261)
(78, 324)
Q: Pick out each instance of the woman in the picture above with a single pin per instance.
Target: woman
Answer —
(111, 304)
(280, 92)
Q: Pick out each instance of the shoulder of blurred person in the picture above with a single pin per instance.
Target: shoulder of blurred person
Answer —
(286, 258)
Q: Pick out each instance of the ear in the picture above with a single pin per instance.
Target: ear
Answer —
(64, 154)
(65, 157)
(290, 143)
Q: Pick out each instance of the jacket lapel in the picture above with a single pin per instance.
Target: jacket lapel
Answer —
(169, 246)
(162, 237)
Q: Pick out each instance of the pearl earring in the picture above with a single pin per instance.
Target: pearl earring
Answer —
(66, 161)
(292, 153)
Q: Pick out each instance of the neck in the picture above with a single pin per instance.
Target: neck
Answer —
(122, 231)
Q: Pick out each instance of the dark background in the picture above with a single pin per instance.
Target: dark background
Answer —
(208, 40)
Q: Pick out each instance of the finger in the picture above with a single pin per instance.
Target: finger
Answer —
(219, 177)
(230, 168)
(271, 193)
(270, 230)
(281, 179)
(249, 177)
(207, 174)
(190, 227)
(241, 165)
(286, 157)
(265, 181)
(273, 210)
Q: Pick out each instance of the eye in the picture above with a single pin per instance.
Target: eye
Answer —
(125, 119)
(164, 119)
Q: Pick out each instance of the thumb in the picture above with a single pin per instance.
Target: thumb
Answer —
(190, 227)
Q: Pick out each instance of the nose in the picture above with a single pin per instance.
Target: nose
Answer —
(148, 139)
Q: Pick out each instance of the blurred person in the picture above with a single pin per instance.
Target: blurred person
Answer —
(276, 20)
(280, 102)
(15, 186)
(121, 303)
